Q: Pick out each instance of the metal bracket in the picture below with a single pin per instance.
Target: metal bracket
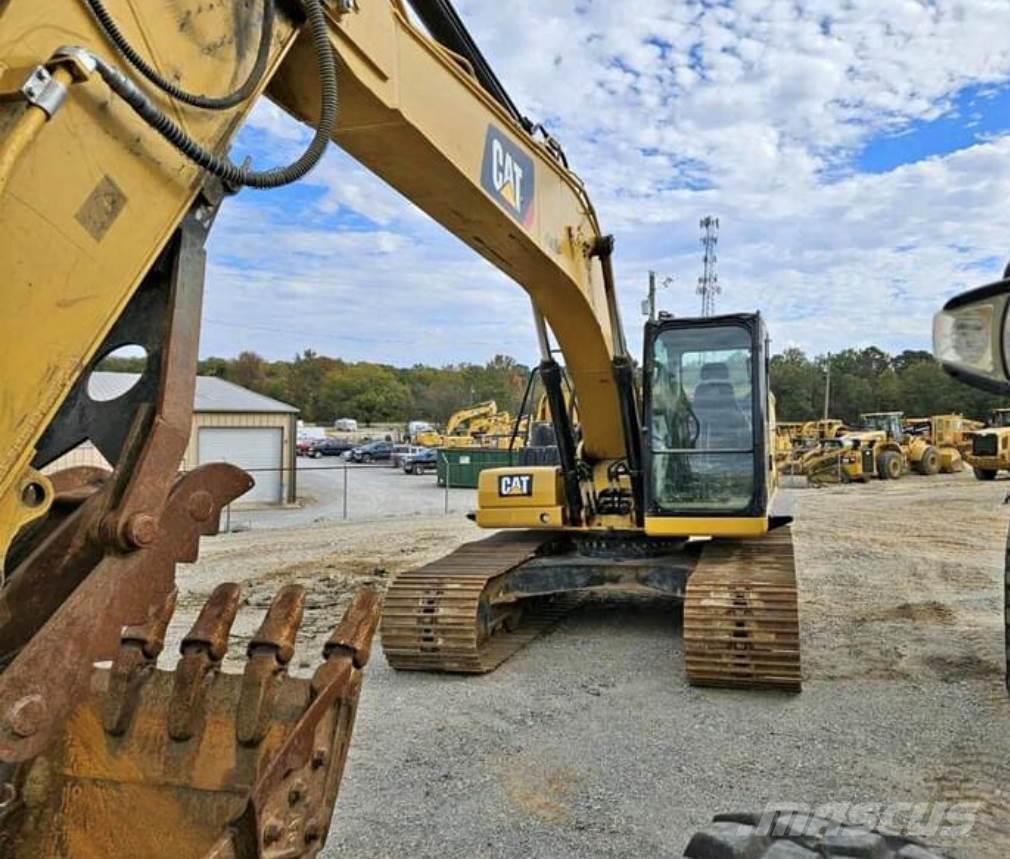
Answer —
(36, 86)
(44, 92)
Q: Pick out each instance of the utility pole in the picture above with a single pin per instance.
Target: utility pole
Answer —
(649, 305)
(827, 386)
(708, 283)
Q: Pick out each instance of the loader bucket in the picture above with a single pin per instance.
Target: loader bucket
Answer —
(194, 762)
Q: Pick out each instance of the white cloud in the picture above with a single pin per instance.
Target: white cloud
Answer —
(753, 111)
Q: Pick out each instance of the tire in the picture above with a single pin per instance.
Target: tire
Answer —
(889, 465)
(984, 473)
(316, 455)
(785, 835)
(929, 462)
(417, 469)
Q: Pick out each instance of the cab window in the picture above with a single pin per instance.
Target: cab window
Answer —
(702, 420)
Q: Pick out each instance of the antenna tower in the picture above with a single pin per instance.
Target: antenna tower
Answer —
(708, 283)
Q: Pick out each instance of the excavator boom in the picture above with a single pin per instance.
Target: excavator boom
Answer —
(115, 191)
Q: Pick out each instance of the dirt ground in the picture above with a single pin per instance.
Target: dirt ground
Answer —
(590, 742)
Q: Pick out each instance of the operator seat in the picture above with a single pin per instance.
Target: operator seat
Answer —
(722, 424)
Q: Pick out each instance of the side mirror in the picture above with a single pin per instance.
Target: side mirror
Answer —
(971, 337)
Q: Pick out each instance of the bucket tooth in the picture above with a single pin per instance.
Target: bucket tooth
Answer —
(121, 780)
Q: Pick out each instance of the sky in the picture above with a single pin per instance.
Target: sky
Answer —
(856, 153)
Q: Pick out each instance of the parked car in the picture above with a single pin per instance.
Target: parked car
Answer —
(374, 451)
(329, 447)
(426, 459)
(401, 452)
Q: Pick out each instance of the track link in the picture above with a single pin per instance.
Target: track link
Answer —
(741, 615)
(441, 617)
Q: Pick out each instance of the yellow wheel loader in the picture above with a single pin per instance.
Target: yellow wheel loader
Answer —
(990, 446)
(881, 447)
(806, 442)
(950, 434)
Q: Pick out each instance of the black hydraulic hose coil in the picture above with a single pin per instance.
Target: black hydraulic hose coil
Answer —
(224, 102)
(223, 168)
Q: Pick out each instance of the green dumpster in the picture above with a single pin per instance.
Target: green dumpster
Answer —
(465, 464)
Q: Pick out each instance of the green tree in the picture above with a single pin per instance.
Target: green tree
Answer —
(793, 380)
(368, 392)
(249, 371)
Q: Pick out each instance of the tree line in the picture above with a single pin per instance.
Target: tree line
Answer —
(324, 389)
(871, 380)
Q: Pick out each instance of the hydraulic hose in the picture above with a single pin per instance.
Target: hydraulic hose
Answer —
(222, 167)
(224, 102)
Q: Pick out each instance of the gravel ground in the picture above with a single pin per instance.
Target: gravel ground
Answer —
(590, 742)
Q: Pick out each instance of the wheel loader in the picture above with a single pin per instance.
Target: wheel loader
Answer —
(989, 453)
(881, 447)
(950, 434)
(804, 443)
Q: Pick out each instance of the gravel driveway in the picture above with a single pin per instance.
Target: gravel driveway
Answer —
(590, 743)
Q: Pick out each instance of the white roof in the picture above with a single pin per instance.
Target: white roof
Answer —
(212, 394)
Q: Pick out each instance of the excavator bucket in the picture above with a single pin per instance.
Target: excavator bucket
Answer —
(195, 762)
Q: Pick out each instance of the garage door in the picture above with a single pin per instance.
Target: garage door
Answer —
(250, 448)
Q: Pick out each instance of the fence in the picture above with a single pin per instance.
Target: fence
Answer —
(346, 491)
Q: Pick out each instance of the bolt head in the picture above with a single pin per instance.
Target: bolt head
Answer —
(296, 793)
(200, 505)
(141, 530)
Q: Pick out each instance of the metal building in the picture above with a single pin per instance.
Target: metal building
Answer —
(230, 424)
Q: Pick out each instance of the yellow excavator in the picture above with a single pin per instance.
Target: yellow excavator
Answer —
(113, 166)
(462, 426)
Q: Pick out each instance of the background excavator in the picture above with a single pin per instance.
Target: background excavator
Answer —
(112, 168)
(467, 427)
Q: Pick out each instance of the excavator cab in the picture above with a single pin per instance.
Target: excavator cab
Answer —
(707, 407)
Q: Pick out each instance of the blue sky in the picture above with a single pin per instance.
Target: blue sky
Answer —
(857, 155)
(974, 114)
